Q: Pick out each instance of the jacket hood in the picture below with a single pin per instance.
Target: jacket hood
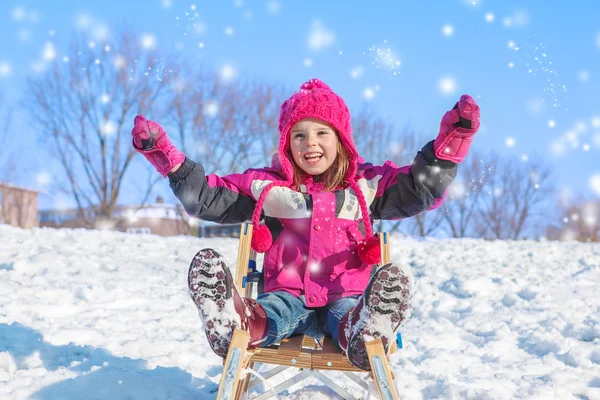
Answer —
(315, 99)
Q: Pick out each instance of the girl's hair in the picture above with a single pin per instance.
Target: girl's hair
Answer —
(333, 178)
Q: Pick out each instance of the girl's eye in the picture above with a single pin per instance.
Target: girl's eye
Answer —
(298, 135)
(323, 132)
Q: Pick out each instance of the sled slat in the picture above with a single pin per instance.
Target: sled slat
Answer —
(291, 346)
(331, 357)
(271, 355)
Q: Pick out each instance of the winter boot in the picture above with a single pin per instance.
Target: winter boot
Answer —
(382, 308)
(219, 304)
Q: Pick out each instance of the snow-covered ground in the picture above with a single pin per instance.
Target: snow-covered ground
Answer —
(104, 315)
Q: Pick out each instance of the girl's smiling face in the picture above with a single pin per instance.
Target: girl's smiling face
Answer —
(313, 144)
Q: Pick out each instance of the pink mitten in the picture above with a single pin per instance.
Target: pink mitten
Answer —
(456, 130)
(151, 140)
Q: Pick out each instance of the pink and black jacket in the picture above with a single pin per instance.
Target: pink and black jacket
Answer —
(316, 233)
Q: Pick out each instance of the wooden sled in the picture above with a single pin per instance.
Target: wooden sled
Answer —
(301, 352)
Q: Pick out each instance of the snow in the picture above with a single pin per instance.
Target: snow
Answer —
(105, 315)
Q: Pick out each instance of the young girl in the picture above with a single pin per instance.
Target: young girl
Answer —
(316, 204)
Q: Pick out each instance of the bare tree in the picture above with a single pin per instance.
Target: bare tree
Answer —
(421, 225)
(460, 208)
(228, 126)
(6, 157)
(18, 206)
(514, 202)
(84, 111)
(577, 220)
(376, 139)
(401, 146)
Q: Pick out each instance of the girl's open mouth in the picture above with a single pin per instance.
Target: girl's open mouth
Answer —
(313, 158)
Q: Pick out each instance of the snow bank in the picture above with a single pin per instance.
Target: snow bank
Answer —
(105, 315)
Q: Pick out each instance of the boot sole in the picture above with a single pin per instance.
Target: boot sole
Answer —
(210, 285)
(387, 305)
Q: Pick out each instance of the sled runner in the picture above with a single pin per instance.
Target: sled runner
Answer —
(301, 351)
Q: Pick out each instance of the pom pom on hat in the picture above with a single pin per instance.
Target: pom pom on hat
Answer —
(262, 240)
(369, 251)
(315, 84)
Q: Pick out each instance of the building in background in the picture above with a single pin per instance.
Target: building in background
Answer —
(158, 219)
(18, 206)
(208, 229)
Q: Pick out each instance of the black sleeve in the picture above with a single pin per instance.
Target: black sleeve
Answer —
(223, 201)
(427, 180)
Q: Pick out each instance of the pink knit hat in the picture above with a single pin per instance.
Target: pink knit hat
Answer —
(316, 100)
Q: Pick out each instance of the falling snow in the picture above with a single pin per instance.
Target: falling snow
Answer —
(448, 30)
(43, 179)
(517, 19)
(211, 109)
(119, 62)
(5, 69)
(49, 52)
(109, 128)
(581, 135)
(227, 73)
(319, 37)
(524, 55)
(18, 14)
(447, 85)
(595, 184)
(273, 7)
(539, 64)
(384, 58)
(148, 41)
(83, 21)
(536, 106)
(370, 92)
(584, 76)
(357, 72)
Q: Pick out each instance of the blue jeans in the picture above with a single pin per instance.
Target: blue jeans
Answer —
(289, 316)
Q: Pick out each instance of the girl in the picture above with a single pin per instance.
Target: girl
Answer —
(316, 203)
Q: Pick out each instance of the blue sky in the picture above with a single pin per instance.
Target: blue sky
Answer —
(533, 66)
